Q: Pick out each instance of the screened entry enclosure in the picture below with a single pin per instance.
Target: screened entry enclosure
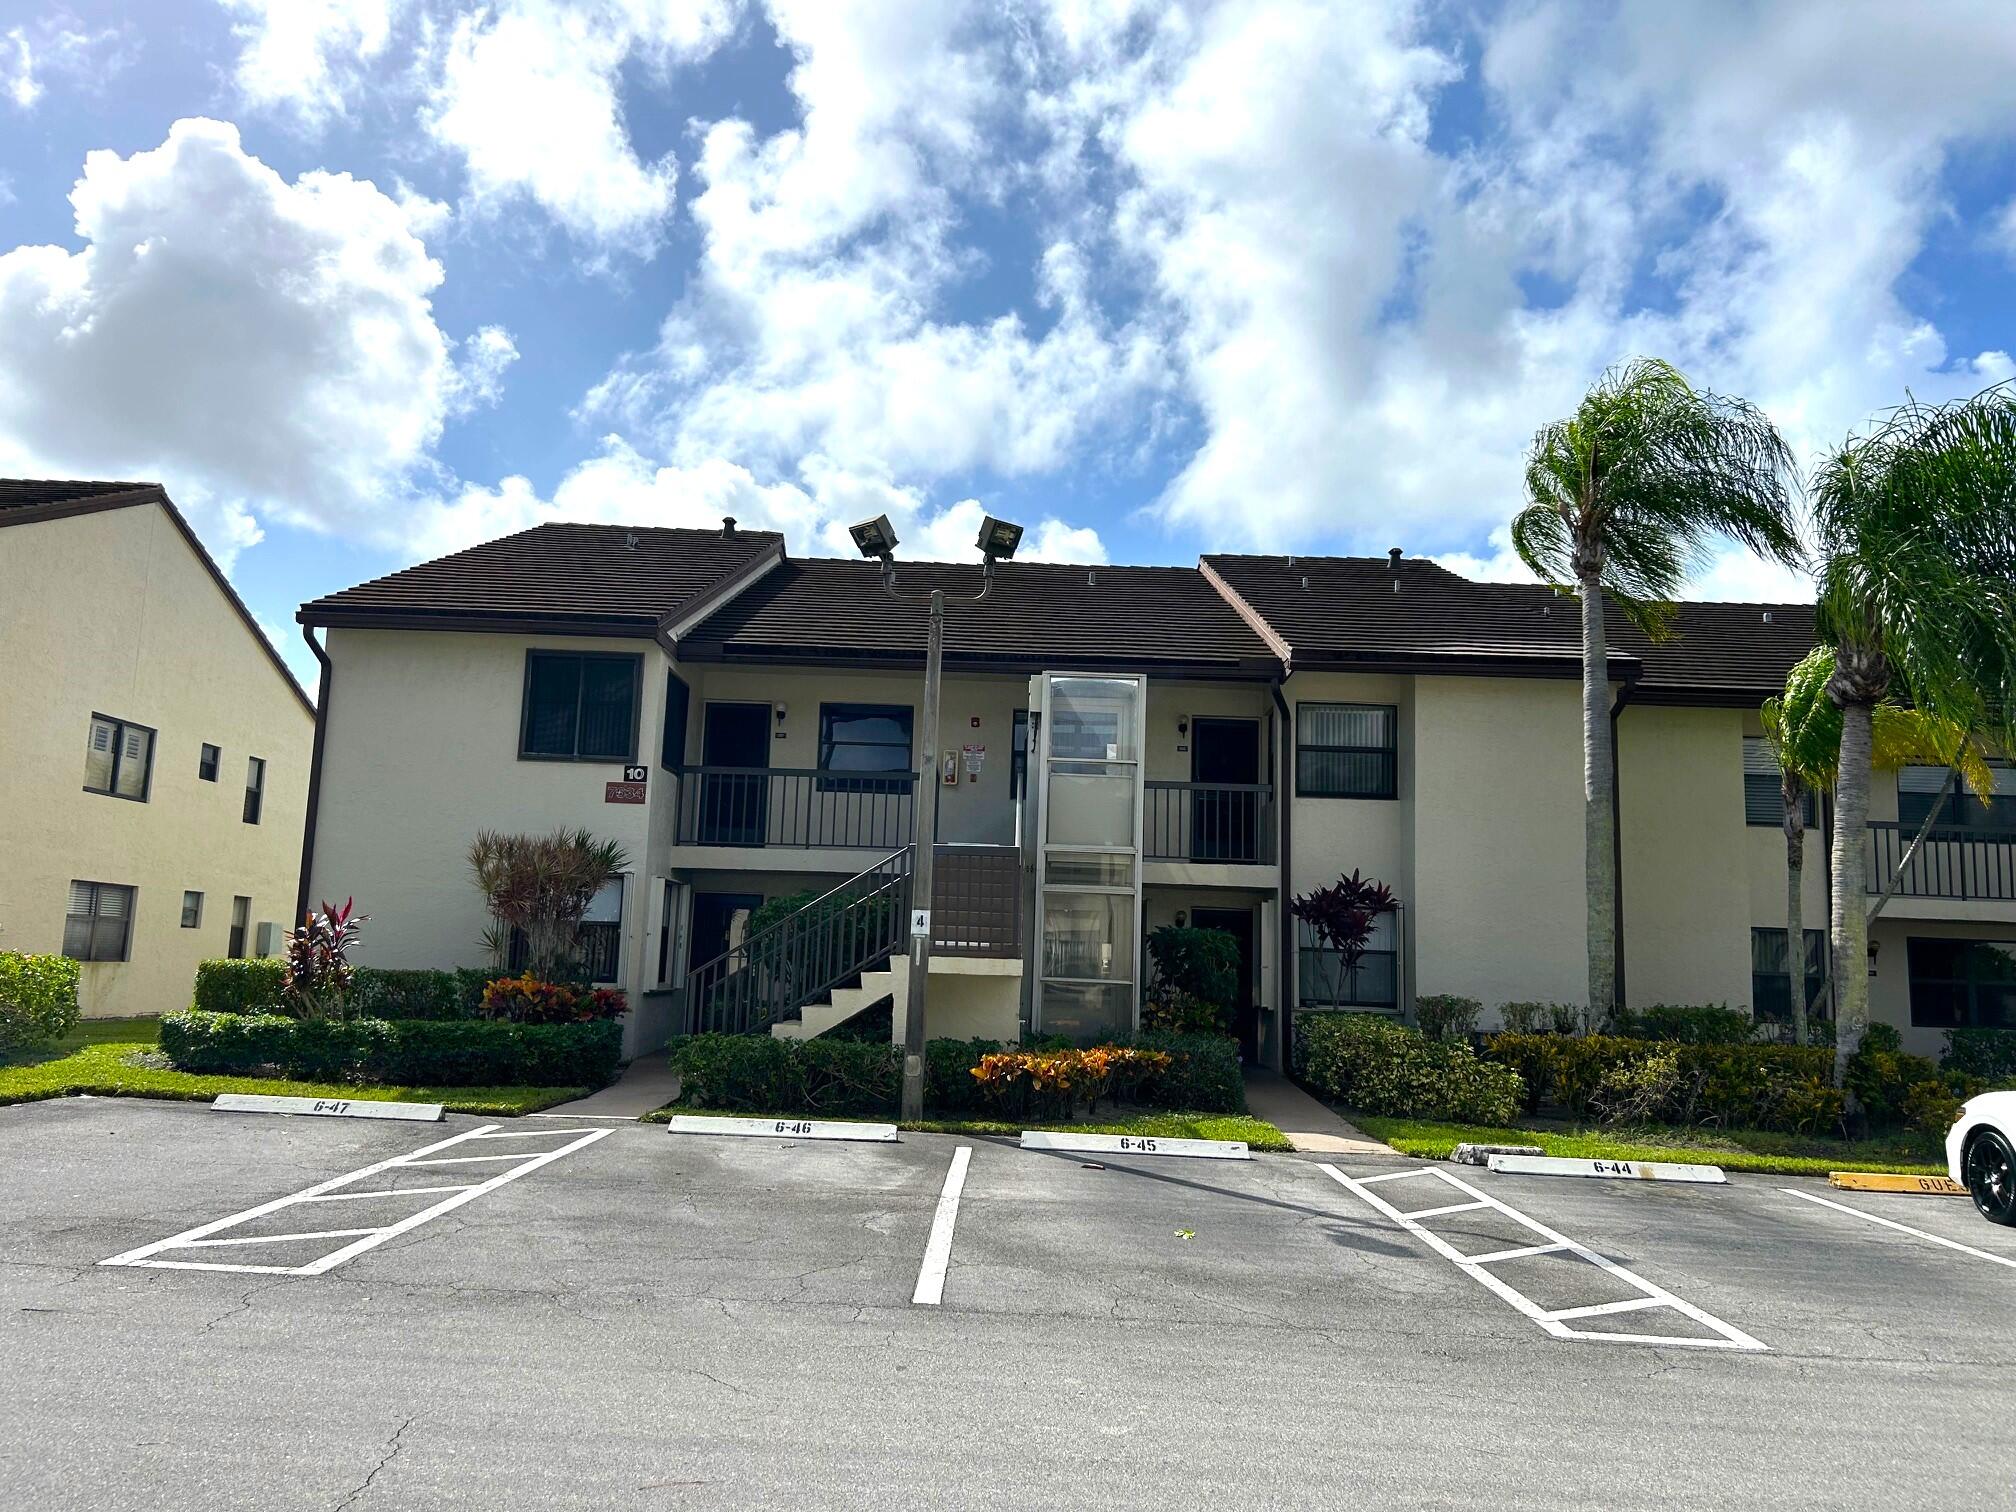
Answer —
(1088, 859)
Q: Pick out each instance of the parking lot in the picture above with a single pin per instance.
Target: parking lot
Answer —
(547, 1313)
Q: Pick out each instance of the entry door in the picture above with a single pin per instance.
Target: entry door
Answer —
(1225, 826)
(1238, 923)
(735, 806)
(720, 921)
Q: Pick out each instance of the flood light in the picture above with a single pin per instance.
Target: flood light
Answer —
(874, 538)
(999, 538)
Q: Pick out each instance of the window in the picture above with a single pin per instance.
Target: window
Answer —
(255, 788)
(1770, 993)
(598, 945)
(665, 912)
(1078, 734)
(1962, 984)
(1763, 790)
(241, 918)
(99, 926)
(192, 910)
(1346, 751)
(580, 707)
(118, 758)
(868, 738)
(1919, 786)
(678, 701)
(1373, 983)
(206, 764)
(1018, 756)
(269, 939)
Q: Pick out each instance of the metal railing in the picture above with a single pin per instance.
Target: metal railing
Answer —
(1208, 821)
(1954, 862)
(802, 958)
(795, 808)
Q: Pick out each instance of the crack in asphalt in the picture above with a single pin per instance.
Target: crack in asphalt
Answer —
(391, 1453)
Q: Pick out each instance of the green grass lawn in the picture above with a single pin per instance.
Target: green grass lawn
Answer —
(1257, 1134)
(97, 1059)
(1732, 1149)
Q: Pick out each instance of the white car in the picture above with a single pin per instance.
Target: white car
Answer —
(1981, 1154)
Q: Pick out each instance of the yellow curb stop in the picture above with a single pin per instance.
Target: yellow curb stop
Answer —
(1884, 1181)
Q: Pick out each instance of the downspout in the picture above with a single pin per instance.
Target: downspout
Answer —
(1288, 987)
(1624, 692)
(314, 771)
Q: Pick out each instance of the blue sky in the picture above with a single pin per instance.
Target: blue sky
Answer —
(363, 281)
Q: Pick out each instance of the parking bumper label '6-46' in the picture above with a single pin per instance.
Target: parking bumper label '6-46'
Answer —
(783, 1128)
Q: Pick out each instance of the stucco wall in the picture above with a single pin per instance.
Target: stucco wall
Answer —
(113, 613)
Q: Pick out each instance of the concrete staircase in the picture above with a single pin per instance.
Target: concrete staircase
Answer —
(892, 978)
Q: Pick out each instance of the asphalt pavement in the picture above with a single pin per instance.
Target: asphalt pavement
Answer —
(507, 1313)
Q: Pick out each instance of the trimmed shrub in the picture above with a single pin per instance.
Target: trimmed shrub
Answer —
(1688, 1024)
(403, 1052)
(1636, 1090)
(1541, 1018)
(1782, 1087)
(38, 999)
(1203, 1074)
(1063, 1084)
(529, 1000)
(1881, 1075)
(1987, 1053)
(1375, 1066)
(1171, 1010)
(1200, 963)
(239, 986)
(382, 992)
(1446, 1016)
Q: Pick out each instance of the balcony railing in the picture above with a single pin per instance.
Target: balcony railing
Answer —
(791, 808)
(1955, 862)
(1208, 821)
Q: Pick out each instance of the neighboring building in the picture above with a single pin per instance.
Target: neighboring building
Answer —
(1119, 748)
(154, 749)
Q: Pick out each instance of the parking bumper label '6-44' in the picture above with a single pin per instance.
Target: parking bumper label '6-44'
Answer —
(1628, 1170)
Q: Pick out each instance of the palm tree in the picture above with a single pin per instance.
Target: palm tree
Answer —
(1804, 728)
(1625, 498)
(1917, 602)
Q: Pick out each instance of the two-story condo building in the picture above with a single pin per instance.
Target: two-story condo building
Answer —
(1118, 748)
(154, 749)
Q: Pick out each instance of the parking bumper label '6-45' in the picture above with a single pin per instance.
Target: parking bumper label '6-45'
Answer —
(1135, 1144)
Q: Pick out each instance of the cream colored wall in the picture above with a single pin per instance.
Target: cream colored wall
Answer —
(1498, 909)
(1763, 853)
(964, 1004)
(1170, 702)
(113, 613)
(1336, 836)
(1685, 851)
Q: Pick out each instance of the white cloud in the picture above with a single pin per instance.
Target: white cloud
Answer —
(258, 345)
(479, 378)
(57, 44)
(309, 56)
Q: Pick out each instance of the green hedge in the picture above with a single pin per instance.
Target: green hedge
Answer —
(1987, 1053)
(1687, 1024)
(396, 1052)
(1377, 1066)
(1782, 1087)
(238, 986)
(760, 1074)
(38, 999)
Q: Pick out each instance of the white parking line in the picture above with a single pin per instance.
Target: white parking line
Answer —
(938, 1249)
(1952, 1244)
(1555, 1321)
(365, 1238)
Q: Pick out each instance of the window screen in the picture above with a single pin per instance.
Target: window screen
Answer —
(99, 923)
(1346, 750)
(192, 910)
(579, 707)
(1763, 788)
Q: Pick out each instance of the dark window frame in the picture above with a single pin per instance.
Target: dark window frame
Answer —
(1308, 950)
(671, 752)
(209, 761)
(234, 939)
(255, 792)
(1390, 752)
(1765, 986)
(848, 780)
(1961, 810)
(94, 917)
(535, 654)
(1968, 985)
(187, 921)
(1764, 794)
(119, 729)
(1018, 755)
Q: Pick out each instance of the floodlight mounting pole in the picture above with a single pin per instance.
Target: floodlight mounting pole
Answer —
(923, 869)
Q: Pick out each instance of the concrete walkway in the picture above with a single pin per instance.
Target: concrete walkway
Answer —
(647, 1084)
(1308, 1124)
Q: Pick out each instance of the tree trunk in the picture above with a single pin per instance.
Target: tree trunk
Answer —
(1598, 845)
(1795, 904)
(1849, 932)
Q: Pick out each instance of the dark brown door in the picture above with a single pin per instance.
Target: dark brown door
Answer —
(735, 805)
(1238, 923)
(1225, 808)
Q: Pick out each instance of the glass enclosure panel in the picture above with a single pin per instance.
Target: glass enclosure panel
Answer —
(1088, 935)
(1087, 1012)
(1091, 805)
(1094, 719)
(1085, 869)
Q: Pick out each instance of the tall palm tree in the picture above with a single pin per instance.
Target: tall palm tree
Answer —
(1916, 524)
(1625, 498)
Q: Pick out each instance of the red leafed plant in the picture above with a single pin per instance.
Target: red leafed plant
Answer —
(1341, 915)
(316, 980)
(529, 999)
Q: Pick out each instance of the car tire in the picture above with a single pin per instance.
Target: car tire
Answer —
(1989, 1167)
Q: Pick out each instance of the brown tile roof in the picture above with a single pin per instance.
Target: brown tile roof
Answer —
(625, 579)
(1039, 614)
(25, 501)
(1374, 611)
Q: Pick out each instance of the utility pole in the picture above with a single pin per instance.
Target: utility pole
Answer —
(876, 539)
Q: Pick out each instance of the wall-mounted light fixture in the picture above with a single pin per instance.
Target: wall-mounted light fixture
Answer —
(1182, 724)
(1182, 918)
(1873, 948)
(780, 713)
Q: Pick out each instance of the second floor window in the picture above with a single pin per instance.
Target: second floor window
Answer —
(192, 910)
(580, 706)
(1763, 788)
(99, 924)
(864, 739)
(255, 788)
(1347, 751)
(118, 758)
(206, 763)
(241, 918)
(1918, 789)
